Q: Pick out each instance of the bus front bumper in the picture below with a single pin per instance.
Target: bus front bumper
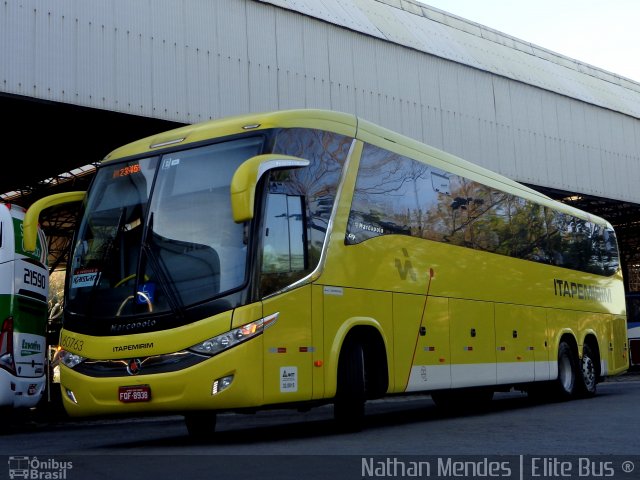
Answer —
(230, 380)
(20, 392)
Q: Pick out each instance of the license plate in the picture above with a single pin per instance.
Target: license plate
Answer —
(133, 394)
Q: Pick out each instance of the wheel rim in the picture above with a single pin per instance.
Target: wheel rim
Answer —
(566, 374)
(588, 372)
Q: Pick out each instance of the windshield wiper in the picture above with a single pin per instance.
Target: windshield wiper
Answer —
(173, 297)
(105, 255)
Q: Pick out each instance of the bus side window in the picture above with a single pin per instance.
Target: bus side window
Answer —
(284, 243)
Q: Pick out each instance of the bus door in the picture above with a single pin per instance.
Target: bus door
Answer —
(288, 344)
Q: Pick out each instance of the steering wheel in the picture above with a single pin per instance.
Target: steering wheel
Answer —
(130, 277)
(131, 297)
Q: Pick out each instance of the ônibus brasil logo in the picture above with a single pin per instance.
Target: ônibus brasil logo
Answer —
(35, 468)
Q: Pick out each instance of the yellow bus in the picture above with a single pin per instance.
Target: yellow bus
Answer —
(304, 257)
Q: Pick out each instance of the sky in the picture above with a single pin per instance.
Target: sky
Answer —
(602, 33)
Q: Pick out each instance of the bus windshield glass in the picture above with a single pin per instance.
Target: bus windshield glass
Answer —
(157, 234)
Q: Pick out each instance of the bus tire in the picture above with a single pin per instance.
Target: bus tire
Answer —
(348, 408)
(564, 386)
(201, 426)
(588, 377)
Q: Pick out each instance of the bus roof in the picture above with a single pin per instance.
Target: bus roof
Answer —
(348, 125)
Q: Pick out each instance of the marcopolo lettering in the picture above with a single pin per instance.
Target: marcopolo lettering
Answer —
(128, 327)
(369, 228)
(580, 291)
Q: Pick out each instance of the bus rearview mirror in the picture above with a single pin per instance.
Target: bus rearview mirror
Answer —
(32, 217)
(246, 177)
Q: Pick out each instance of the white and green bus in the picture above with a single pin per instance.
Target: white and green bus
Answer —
(24, 284)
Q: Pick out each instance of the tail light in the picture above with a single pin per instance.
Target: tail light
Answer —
(6, 345)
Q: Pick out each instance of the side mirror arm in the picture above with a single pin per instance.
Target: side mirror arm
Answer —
(32, 217)
(246, 177)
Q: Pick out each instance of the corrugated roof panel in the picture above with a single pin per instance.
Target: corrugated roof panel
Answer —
(452, 132)
(133, 62)
(630, 132)
(49, 53)
(506, 150)
(429, 81)
(133, 65)
(19, 45)
(316, 64)
(194, 59)
(390, 29)
(409, 92)
(432, 126)
(354, 18)
(366, 84)
(262, 51)
(609, 159)
(388, 101)
(289, 33)
(341, 71)
(338, 12)
(211, 95)
(402, 21)
(448, 80)
(525, 159)
(387, 73)
(231, 29)
(432, 38)
(197, 36)
(550, 125)
(290, 61)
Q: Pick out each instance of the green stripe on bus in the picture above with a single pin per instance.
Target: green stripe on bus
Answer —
(19, 247)
(29, 316)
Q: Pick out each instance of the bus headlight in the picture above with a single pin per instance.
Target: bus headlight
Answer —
(70, 360)
(230, 339)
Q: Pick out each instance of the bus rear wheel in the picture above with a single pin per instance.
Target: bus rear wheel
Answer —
(348, 408)
(565, 384)
(588, 378)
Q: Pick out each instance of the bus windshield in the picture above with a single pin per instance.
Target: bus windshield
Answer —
(158, 235)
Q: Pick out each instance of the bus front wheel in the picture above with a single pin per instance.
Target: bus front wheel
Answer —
(200, 425)
(348, 406)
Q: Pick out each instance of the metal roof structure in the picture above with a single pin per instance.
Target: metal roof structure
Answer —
(81, 77)
(442, 34)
